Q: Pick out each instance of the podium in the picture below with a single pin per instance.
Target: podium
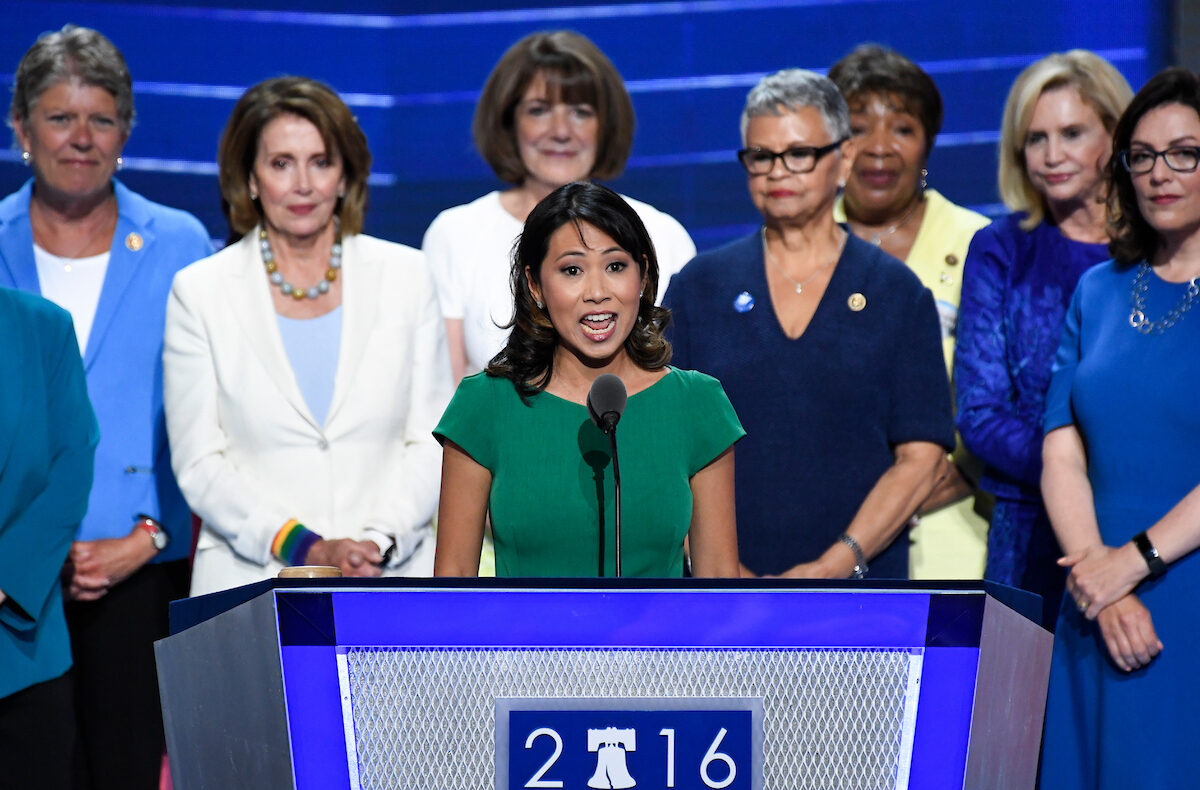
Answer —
(413, 684)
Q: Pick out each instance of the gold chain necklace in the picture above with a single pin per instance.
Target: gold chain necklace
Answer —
(799, 284)
(877, 238)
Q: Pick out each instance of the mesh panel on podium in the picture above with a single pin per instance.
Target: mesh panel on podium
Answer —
(834, 718)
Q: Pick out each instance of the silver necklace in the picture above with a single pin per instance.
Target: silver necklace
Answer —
(286, 288)
(798, 284)
(1137, 304)
(877, 238)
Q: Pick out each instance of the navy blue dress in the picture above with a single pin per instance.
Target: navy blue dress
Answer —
(824, 412)
(1132, 397)
(1016, 287)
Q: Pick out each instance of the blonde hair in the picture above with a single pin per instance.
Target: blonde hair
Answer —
(1100, 85)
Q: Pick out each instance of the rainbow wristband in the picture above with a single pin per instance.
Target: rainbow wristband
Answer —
(292, 542)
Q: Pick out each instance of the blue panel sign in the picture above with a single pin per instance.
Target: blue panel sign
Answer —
(640, 743)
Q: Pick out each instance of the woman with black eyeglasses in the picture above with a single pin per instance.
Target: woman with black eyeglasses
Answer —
(1121, 478)
(828, 347)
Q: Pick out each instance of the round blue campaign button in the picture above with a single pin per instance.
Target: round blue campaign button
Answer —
(743, 302)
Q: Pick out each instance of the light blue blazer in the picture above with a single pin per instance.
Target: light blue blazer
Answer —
(123, 358)
(47, 438)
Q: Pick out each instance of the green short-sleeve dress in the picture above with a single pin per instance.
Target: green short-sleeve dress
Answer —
(551, 470)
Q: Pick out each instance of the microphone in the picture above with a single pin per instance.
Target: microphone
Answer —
(605, 404)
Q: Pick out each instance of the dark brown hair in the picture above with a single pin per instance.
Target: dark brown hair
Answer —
(528, 357)
(313, 101)
(576, 72)
(1132, 237)
(870, 68)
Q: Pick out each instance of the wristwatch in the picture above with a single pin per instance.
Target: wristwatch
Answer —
(154, 530)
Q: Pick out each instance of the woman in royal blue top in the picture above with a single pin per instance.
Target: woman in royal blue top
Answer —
(828, 348)
(1019, 275)
(1122, 471)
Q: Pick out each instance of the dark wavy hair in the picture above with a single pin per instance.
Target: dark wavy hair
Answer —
(528, 358)
(1132, 237)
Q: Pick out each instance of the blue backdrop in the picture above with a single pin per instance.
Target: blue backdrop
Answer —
(412, 71)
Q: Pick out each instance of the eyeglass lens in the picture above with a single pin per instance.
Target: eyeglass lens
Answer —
(1141, 160)
(798, 160)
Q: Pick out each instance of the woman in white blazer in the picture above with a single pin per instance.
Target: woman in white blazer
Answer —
(305, 365)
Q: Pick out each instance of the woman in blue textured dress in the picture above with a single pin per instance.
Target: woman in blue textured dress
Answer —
(1122, 470)
(1019, 275)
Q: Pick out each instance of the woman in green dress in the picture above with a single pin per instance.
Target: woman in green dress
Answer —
(518, 439)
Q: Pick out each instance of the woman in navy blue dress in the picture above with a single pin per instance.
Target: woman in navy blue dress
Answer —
(828, 347)
(1019, 276)
(1122, 470)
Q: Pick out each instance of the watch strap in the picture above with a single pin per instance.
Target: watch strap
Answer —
(1154, 560)
(154, 530)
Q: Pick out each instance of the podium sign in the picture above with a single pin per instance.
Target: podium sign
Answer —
(415, 684)
(637, 742)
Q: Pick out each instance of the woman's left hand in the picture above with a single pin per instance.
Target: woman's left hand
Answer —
(1101, 575)
(95, 566)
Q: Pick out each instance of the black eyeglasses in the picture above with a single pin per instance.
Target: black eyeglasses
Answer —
(1139, 161)
(802, 159)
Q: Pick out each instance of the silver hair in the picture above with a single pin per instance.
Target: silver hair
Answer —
(78, 53)
(793, 90)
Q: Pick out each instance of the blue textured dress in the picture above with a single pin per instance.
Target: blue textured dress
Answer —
(1133, 399)
(823, 412)
(1016, 287)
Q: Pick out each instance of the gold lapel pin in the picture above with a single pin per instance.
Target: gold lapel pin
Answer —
(857, 302)
(134, 241)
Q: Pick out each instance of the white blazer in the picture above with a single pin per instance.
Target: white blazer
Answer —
(246, 449)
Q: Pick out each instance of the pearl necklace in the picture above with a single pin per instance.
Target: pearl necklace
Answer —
(286, 288)
(798, 284)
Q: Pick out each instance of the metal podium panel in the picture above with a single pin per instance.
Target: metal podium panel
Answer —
(395, 684)
(833, 719)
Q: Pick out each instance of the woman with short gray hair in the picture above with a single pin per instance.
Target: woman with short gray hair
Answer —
(74, 234)
(828, 348)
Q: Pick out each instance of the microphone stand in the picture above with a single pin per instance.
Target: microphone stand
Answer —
(612, 444)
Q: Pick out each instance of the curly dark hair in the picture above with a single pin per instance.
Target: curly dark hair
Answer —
(1132, 237)
(528, 358)
(871, 68)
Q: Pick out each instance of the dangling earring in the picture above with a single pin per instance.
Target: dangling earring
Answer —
(120, 162)
(26, 157)
(924, 176)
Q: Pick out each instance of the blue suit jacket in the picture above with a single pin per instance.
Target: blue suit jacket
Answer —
(123, 359)
(47, 438)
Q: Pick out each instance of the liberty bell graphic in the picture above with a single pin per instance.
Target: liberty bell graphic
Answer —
(610, 744)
